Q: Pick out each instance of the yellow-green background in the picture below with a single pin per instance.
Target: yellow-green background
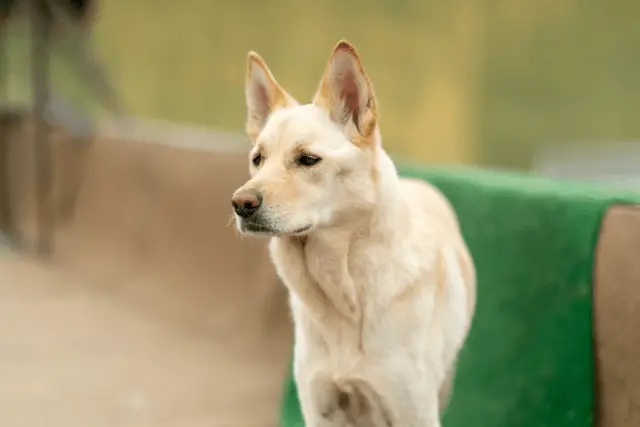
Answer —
(484, 81)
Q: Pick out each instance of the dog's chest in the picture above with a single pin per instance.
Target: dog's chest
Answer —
(349, 266)
(378, 273)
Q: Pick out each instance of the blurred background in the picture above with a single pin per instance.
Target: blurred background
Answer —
(488, 82)
(126, 296)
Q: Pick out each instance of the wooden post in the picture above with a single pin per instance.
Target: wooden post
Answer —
(6, 220)
(40, 64)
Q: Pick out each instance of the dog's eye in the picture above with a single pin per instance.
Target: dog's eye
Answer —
(257, 159)
(307, 160)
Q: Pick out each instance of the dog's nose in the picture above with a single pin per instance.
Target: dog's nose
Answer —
(246, 203)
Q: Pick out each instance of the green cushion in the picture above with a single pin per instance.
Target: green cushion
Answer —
(528, 361)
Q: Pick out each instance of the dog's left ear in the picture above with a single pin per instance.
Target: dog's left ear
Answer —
(347, 94)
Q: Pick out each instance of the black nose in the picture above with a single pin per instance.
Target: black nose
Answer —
(246, 203)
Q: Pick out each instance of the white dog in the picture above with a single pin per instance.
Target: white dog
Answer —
(382, 286)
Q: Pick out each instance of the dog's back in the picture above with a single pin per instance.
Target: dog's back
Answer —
(431, 206)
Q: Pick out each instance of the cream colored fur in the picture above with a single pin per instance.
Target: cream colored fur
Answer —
(382, 287)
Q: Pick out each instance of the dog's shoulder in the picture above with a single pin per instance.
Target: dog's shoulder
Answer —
(427, 202)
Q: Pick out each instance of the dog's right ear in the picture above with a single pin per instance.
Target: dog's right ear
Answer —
(263, 93)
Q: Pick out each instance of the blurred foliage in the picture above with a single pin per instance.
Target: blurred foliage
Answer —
(482, 81)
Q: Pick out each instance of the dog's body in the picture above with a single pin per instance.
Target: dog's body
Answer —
(382, 286)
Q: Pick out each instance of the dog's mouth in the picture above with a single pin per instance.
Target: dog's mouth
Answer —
(301, 230)
(257, 228)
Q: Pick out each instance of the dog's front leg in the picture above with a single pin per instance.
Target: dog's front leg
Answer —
(337, 284)
(288, 257)
(327, 259)
(330, 289)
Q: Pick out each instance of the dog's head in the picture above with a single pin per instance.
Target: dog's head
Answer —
(311, 165)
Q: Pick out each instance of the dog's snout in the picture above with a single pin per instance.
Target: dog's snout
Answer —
(246, 203)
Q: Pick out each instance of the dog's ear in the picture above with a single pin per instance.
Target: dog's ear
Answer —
(346, 93)
(263, 94)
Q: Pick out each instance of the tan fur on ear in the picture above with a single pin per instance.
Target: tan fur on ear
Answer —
(263, 94)
(346, 93)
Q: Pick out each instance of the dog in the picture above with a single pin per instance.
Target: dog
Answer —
(381, 283)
